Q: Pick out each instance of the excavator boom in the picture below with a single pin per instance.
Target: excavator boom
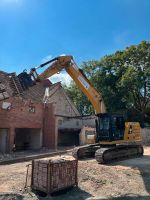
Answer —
(67, 63)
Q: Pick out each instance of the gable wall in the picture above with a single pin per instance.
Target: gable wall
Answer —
(64, 106)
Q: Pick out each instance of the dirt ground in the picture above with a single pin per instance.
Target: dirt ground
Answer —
(124, 180)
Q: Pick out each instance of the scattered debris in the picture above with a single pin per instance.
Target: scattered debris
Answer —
(10, 196)
(128, 179)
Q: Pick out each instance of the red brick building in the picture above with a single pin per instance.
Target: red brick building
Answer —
(27, 125)
(24, 123)
(38, 116)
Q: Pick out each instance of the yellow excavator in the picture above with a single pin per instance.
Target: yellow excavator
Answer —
(115, 139)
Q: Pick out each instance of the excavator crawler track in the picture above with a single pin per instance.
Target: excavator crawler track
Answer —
(105, 155)
(120, 152)
(86, 151)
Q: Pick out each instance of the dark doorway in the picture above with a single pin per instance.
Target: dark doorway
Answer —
(68, 137)
(3, 140)
(28, 138)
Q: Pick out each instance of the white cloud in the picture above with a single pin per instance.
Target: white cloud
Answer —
(63, 54)
(49, 57)
(63, 77)
(46, 58)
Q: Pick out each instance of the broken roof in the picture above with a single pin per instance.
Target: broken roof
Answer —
(41, 92)
(37, 92)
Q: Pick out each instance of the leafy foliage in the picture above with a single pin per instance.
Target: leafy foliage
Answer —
(124, 80)
(80, 100)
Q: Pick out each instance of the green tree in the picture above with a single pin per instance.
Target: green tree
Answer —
(124, 80)
(79, 99)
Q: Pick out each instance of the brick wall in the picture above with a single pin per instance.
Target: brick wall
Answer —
(26, 114)
(20, 115)
(50, 127)
(64, 106)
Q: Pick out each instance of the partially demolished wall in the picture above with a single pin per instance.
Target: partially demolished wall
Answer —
(20, 115)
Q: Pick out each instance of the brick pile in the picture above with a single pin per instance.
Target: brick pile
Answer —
(51, 175)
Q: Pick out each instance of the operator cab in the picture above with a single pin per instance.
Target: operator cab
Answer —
(109, 127)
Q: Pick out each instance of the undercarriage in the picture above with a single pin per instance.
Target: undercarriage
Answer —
(107, 154)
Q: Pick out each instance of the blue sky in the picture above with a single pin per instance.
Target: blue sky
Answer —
(32, 31)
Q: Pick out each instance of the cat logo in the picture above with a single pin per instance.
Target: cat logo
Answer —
(130, 130)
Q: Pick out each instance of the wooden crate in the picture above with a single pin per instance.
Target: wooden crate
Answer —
(54, 174)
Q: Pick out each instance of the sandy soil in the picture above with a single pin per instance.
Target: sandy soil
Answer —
(129, 179)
